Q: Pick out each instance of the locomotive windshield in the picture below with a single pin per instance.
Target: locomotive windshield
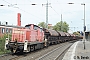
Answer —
(27, 26)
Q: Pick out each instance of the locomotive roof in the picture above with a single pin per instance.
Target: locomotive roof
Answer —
(30, 24)
(34, 25)
(11, 26)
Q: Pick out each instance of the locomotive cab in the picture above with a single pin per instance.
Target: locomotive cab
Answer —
(34, 33)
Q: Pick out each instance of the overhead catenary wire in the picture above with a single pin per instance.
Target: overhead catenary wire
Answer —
(22, 10)
(29, 0)
(55, 10)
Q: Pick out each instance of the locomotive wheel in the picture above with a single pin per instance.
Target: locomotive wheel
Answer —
(47, 44)
(28, 49)
(32, 47)
(41, 46)
(13, 51)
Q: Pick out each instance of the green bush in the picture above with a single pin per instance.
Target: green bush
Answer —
(2, 43)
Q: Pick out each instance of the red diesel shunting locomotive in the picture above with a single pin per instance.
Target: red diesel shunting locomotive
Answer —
(25, 39)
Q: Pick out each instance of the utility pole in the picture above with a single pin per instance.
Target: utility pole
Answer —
(61, 22)
(47, 14)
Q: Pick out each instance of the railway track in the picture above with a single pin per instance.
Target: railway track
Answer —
(56, 53)
(7, 57)
(13, 56)
(36, 54)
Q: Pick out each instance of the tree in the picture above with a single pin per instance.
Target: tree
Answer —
(42, 24)
(76, 33)
(61, 26)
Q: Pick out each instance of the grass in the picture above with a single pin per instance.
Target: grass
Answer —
(4, 52)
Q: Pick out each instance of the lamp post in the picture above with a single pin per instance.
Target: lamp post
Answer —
(84, 24)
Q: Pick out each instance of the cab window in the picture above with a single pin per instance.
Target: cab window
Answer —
(28, 26)
(40, 29)
(35, 28)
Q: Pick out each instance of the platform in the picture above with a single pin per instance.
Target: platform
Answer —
(77, 51)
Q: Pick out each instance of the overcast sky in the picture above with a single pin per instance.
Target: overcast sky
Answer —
(72, 14)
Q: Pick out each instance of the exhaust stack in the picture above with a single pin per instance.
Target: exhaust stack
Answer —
(18, 19)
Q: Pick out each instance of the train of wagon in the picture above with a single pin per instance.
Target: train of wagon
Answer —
(32, 37)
